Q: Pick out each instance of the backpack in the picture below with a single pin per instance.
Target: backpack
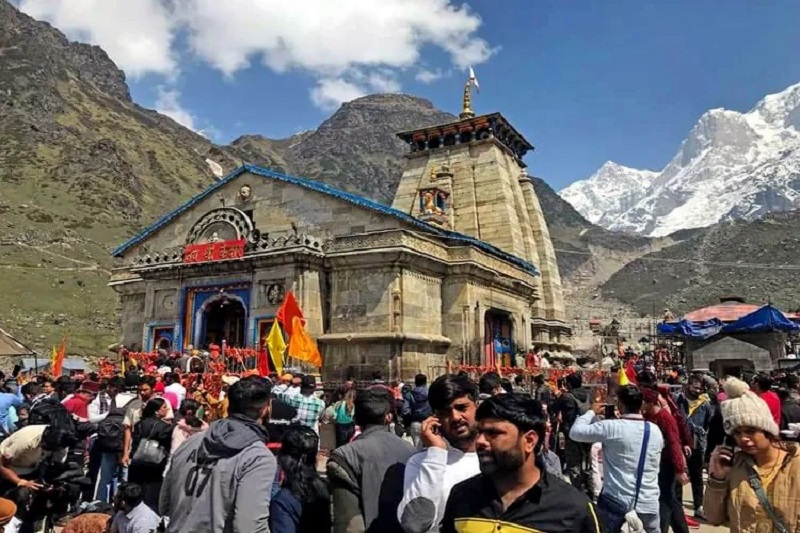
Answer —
(50, 412)
(110, 430)
(583, 405)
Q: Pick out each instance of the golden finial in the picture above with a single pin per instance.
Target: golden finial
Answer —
(466, 106)
(433, 172)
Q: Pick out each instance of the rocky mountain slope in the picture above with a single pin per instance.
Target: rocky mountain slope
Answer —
(757, 261)
(355, 149)
(731, 166)
(81, 167)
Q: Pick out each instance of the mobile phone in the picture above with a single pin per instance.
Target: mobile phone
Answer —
(727, 459)
(611, 412)
(16, 371)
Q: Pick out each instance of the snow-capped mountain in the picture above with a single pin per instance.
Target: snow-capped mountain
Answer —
(613, 189)
(732, 165)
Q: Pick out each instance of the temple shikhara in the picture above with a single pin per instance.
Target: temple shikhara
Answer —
(459, 268)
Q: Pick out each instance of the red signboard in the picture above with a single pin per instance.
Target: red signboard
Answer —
(213, 251)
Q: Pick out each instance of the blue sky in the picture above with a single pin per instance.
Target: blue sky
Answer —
(586, 82)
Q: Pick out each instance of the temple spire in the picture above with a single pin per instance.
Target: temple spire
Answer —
(466, 104)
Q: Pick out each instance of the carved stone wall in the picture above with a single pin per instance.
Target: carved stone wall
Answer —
(165, 303)
(132, 317)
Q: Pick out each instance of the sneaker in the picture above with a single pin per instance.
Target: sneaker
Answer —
(700, 514)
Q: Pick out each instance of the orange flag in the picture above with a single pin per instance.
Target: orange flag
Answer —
(302, 346)
(58, 363)
(287, 313)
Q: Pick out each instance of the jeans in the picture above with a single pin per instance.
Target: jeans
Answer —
(344, 432)
(414, 431)
(670, 501)
(110, 476)
(651, 522)
(578, 460)
(694, 465)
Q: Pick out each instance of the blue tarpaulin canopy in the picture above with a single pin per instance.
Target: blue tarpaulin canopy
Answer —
(764, 319)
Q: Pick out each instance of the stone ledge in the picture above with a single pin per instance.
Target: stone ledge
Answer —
(382, 336)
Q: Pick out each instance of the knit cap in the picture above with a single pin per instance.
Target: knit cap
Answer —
(744, 408)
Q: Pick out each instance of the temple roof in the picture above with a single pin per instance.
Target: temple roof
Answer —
(330, 191)
(502, 128)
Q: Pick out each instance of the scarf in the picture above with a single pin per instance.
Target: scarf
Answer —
(694, 404)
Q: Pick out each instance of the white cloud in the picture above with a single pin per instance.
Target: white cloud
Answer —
(168, 103)
(428, 76)
(330, 93)
(349, 46)
(138, 35)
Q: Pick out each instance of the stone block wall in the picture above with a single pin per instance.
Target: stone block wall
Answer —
(421, 303)
(361, 300)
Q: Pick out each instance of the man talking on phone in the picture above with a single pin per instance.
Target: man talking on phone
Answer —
(449, 456)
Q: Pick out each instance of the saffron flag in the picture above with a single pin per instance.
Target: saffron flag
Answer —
(287, 313)
(301, 346)
(58, 363)
(276, 346)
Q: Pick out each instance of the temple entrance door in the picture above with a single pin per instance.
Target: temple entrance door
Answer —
(225, 320)
(498, 338)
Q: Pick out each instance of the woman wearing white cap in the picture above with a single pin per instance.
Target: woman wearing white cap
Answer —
(756, 488)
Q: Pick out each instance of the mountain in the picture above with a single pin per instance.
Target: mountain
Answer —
(355, 149)
(81, 167)
(612, 189)
(731, 166)
(755, 260)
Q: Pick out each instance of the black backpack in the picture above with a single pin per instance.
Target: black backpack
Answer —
(110, 430)
(50, 412)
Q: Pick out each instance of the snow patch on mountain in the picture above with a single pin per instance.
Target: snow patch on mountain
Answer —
(731, 165)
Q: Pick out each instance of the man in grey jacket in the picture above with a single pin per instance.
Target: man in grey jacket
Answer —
(220, 479)
(366, 476)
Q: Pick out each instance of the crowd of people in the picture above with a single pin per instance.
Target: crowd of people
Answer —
(140, 453)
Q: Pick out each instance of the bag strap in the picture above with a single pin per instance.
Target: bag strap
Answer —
(763, 499)
(642, 458)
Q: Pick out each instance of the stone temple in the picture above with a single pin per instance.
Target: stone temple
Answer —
(459, 268)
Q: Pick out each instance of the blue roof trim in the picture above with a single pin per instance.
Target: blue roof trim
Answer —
(336, 193)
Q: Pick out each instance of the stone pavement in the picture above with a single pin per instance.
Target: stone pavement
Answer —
(704, 528)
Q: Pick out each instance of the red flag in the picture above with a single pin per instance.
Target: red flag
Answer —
(261, 361)
(288, 310)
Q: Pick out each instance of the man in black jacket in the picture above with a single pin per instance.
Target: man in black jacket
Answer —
(416, 408)
(572, 403)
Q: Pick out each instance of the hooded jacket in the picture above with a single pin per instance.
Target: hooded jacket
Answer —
(219, 480)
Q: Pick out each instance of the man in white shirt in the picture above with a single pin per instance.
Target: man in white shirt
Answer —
(449, 458)
(623, 441)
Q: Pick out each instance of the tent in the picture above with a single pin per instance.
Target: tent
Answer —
(9, 346)
(764, 319)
